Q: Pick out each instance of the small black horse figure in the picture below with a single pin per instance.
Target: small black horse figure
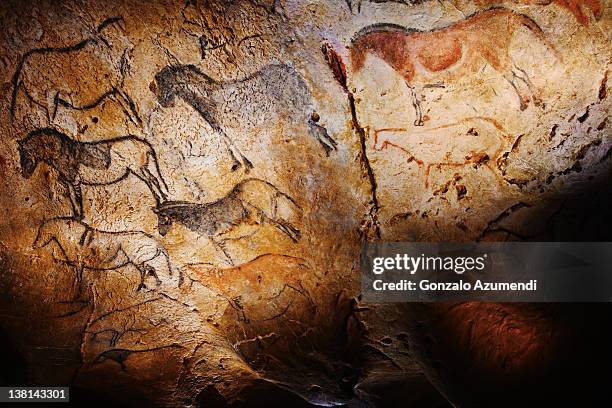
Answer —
(275, 93)
(84, 247)
(252, 202)
(91, 163)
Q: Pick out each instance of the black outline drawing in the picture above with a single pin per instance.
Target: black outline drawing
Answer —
(276, 87)
(475, 157)
(108, 250)
(112, 89)
(355, 5)
(118, 157)
(214, 219)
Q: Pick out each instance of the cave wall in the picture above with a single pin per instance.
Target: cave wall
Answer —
(187, 185)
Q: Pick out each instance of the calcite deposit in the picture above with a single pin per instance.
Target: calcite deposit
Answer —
(186, 186)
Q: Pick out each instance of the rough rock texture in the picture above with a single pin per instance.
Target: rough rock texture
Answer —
(186, 187)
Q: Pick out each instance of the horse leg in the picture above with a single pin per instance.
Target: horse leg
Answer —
(293, 233)
(78, 193)
(141, 174)
(56, 101)
(152, 272)
(129, 106)
(75, 196)
(416, 103)
(51, 106)
(322, 136)
(221, 247)
(285, 227)
(237, 156)
(155, 173)
(505, 68)
(521, 75)
(143, 273)
(154, 180)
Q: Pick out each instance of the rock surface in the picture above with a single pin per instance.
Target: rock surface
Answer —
(187, 185)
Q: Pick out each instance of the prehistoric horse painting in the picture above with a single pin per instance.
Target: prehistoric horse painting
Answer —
(579, 8)
(91, 163)
(268, 296)
(252, 202)
(276, 92)
(445, 54)
(78, 76)
(84, 247)
(472, 141)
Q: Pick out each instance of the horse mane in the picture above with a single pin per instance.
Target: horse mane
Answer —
(283, 67)
(184, 70)
(380, 28)
(107, 22)
(38, 133)
(173, 205)
(391, 27)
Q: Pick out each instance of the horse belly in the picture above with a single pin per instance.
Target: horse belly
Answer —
(139, 247)
(94, 175)
(103, 253)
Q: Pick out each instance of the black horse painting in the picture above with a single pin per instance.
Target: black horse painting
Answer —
(84, 247)
(91, 163)
(51, 77)
(251, 202)
(275, 93)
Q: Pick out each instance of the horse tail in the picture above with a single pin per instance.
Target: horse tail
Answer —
(281, 221)
(538, 32)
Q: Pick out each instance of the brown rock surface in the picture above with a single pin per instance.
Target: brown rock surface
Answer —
(211, 169)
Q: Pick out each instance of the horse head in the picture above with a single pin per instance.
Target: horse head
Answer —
(27, 159)
(384, 41)
(164, 212)
(107, 33)
(175, 80)
(44, 235)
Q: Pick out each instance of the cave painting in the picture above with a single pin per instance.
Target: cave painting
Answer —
(91, 163)
(252, 202)
(84, 65)
(579, 8)
(265, 295)
(427, 57)
(269, 94)
(84, 247)
(473, 141)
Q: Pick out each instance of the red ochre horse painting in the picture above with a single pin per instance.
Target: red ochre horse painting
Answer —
(476, 141)
(423, 58)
